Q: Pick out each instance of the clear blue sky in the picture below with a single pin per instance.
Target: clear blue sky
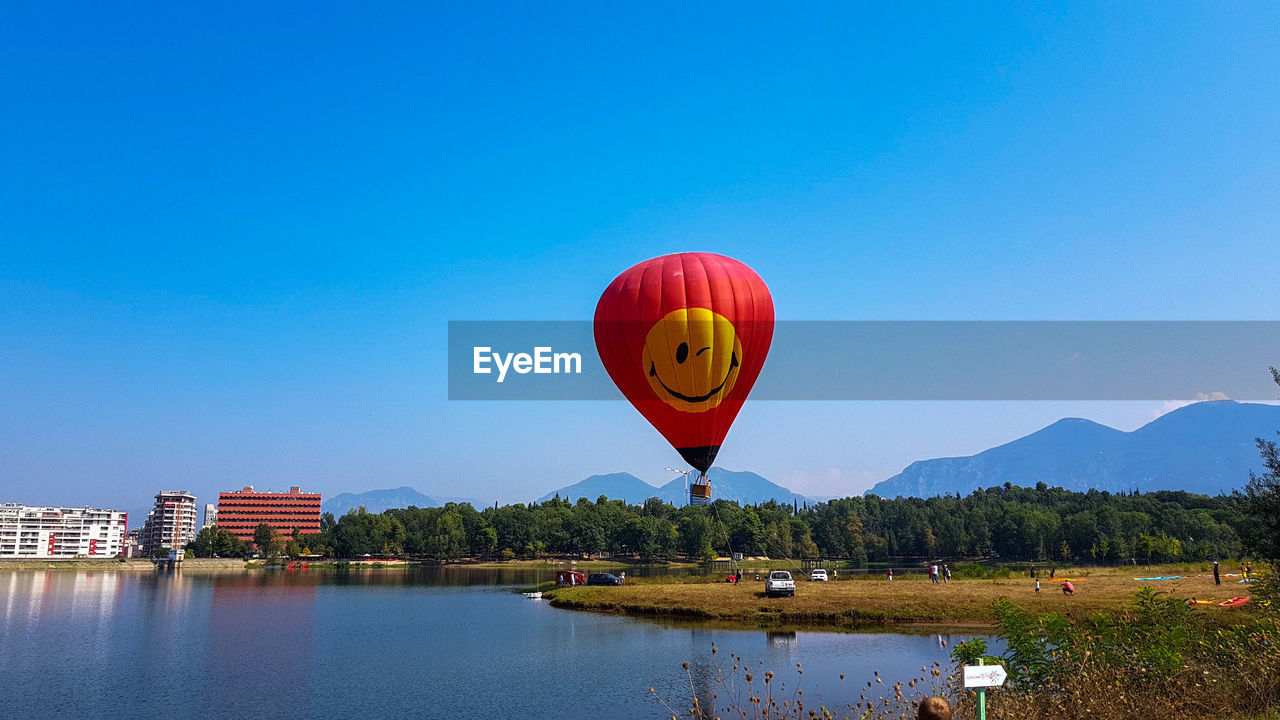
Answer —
(231, 238)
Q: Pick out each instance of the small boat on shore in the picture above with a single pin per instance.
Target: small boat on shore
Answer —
(534, 595)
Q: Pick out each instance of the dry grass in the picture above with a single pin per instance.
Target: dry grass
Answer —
(875, 601)
(1249, 689)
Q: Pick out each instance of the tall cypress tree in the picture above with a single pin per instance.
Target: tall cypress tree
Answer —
(1262, 499)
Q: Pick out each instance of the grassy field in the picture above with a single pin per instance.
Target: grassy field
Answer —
(866, 601)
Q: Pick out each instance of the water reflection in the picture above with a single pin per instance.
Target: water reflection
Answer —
(417, 642)
(780, 640)
(51, 594)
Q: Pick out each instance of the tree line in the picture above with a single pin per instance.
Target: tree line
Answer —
(1007, 523)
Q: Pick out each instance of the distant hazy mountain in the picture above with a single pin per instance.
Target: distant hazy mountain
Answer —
(1206, 447)
(615, 486)
(743, 487)
(747, 488)
(375, 501)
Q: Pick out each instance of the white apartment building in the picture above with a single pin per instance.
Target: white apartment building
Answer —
(210, 515)
(171, 523)
(28, 531)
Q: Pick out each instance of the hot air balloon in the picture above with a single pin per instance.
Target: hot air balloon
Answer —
(684, 337)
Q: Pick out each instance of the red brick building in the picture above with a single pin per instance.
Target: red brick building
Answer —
(241, 511)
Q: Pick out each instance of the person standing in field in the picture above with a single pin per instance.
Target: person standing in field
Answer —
(1217, 579)
(946, 573)
(933, 574)
(890, 574)
(933, 708)
(1037, 585)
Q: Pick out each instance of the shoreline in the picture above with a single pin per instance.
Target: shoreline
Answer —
(562, 564)
(910, 603)
(129, 564)
(906, 603)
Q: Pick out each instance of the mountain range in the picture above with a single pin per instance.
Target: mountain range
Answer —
(743, 487)
(1206, 447)
(375, 501)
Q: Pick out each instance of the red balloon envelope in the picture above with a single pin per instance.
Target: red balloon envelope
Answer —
(684, 337)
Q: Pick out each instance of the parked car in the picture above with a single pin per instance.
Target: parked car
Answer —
(818, 575)
(603, 579)
(570, 577)
(778, 583)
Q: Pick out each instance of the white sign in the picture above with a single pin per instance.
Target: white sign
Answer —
(984, 675)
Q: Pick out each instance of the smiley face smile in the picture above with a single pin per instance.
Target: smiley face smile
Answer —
(733, 363)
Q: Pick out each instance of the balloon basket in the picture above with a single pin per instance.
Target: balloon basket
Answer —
(699, 493)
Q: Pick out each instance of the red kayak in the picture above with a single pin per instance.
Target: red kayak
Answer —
(1233, 602)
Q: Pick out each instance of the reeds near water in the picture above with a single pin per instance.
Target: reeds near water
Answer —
(1157, 660)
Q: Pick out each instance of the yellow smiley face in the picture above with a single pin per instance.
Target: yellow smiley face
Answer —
(691, 358)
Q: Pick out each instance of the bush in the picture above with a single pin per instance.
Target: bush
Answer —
(969, 652)
(1157, 660)
(978, 571)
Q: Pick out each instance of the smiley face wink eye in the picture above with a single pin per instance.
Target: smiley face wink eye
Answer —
(682, 353)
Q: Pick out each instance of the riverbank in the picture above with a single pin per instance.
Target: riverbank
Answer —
(116, 565)
(874, 601)
(562, 564)
(285, 564)
(78, 564)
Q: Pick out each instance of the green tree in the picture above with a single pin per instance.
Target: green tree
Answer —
(482, 541)
(227, 545)
(930, 541)
(448, 539)
(205, 543)
(1262, 500)
(980, 537)
(747, 535)
(651, 538)
(266, 538)
(695, 536)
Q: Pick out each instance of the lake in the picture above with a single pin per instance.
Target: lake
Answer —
(418, 642)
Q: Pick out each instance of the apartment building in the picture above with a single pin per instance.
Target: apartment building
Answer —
(28, 531)
(171, 523)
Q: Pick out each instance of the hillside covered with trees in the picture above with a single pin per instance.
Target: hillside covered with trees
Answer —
(1006, 523)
